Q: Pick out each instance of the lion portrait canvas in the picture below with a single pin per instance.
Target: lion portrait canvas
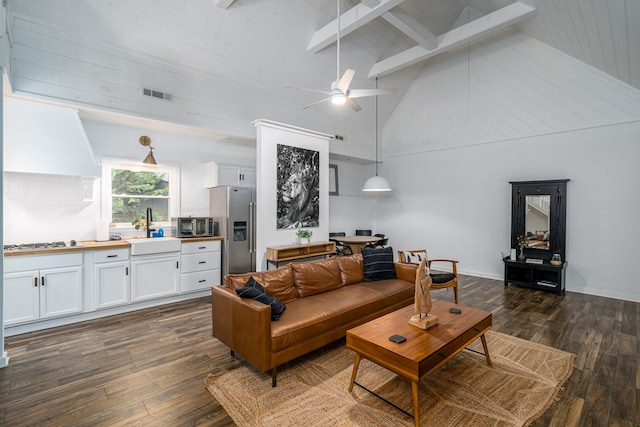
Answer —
(298, 192)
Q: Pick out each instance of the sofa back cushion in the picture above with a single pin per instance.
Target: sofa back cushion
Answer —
(351, 269)
(278, 283)
(312, 278)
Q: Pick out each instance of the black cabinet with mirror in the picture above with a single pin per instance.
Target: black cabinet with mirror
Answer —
(538, 234)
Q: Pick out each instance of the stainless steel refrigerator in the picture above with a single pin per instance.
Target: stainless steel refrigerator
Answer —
(234, 209)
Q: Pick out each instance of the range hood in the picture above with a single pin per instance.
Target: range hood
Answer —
(46, 139)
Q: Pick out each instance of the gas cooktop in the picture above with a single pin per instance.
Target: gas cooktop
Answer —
(41, 245)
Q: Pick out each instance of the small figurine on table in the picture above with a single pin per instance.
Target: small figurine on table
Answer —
(422, 301)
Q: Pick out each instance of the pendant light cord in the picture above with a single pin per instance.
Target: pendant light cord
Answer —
(338, 42)
(376, 128)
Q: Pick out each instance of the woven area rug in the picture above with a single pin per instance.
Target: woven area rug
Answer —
(312, 391)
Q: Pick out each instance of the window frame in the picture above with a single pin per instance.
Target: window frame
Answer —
(108, 164)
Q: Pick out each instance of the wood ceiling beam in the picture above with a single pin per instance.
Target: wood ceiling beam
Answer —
(223, 4)
(466, 33)
(350, 20)
(411, 28)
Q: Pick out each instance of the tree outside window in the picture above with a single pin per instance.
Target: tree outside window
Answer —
(132, 192)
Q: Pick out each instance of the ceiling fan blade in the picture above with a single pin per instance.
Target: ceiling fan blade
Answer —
(345, 80)
(359, 93)
(353, 104)
(324, 92)
(316, 103)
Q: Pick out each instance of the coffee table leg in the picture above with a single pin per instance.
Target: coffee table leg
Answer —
(356, 364)
(486, 349)
(416, 407)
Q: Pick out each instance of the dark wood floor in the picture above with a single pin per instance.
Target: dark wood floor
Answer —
(148, 368)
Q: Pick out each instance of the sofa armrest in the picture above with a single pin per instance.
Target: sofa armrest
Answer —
(405, 271)
(242, 324)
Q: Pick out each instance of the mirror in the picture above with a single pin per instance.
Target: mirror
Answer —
(537, 224)
(539, 213)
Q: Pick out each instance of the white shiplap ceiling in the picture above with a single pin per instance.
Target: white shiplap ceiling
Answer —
(227, 63)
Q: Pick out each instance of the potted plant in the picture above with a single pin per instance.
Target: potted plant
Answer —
(304, 236)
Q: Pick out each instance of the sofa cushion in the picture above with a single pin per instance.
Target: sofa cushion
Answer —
(310, 278)
(278, 283)
(254, 290)
(412, 257)
(378, 264)
(351, 269)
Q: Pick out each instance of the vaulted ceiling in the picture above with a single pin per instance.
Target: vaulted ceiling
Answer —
(226, 63)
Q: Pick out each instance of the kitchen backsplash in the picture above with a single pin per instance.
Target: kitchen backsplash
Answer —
(45, 208)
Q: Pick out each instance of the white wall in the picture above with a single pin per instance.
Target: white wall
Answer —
(270, 134)
(51, 207)
(516, 110)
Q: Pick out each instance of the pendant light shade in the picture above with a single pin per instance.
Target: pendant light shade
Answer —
(376, 183)
(146, 141)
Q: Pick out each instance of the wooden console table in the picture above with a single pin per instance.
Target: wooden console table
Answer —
(278, 254)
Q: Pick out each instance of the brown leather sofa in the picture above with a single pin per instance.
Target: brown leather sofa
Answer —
(323, 299)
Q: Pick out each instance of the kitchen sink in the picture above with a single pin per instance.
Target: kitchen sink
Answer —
(154, 245)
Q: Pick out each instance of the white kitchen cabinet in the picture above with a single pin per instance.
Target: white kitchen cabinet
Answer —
(237, 176)
(112, 279)
(42, 287)
(201, 265)
(154, 276)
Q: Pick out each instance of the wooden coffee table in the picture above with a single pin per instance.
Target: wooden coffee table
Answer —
(424, 351)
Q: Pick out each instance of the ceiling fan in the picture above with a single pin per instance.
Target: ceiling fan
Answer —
(340, 93)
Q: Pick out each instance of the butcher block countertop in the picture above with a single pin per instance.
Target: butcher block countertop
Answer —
(92, 245)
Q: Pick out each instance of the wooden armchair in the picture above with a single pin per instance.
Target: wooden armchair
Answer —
(440, 280)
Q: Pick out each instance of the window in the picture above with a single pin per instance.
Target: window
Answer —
(129, 189)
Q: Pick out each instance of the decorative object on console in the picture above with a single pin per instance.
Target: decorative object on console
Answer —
(556, 259)
(522, 243)
(304, 236)
(146, 141)
(422, 300)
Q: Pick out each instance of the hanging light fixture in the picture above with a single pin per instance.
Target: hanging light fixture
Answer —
(376, 183)
(146, 141)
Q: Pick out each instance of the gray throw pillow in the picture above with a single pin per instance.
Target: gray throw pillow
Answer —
(378, 264)
(256, 291)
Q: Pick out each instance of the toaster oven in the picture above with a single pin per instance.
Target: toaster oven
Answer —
(193, 226)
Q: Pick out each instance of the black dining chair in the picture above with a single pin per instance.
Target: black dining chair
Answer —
(341, 248)
(363, 232)
(379, 244)
(379, 235)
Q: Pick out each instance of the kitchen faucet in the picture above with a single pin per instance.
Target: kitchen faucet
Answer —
(149, 221)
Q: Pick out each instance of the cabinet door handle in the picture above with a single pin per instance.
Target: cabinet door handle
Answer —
(202, 247)
(202, 262)
(42, 281)
(112, 256)
(126, 271)
(35, 282)
(177, 264)
(202, 281)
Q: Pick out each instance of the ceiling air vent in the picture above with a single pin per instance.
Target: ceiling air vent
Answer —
(157, 94)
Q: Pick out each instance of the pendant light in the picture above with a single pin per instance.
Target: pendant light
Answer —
(146, 141)
(376, 183)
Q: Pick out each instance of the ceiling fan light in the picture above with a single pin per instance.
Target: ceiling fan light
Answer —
(338, 99)
(376, 183)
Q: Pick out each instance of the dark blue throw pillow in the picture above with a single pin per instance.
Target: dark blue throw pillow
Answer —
(378, 264)
(256, 291)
